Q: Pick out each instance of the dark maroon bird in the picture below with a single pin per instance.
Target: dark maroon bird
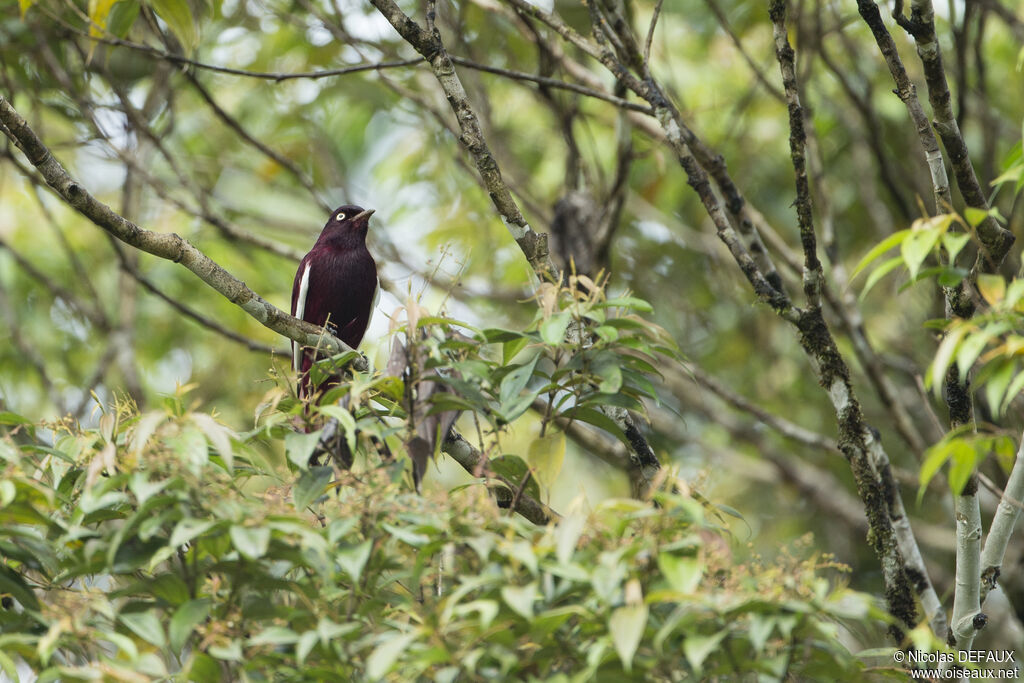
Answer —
(336, 285)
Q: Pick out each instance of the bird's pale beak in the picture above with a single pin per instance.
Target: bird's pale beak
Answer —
(363, 214)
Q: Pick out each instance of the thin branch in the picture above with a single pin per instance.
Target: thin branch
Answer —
(650, 30)
(93, 314)
(27, 350)
(471, 460)
(812, 275)
(967, 617)
(277, 77)
(132, 270)
(1001, 529)
(783, 426)
(240, 130)
(723, 21)
(554, 83)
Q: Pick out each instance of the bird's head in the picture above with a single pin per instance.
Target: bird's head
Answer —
(347, 224)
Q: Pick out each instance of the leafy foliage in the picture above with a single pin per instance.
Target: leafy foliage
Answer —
(179, 562)
(582, 352)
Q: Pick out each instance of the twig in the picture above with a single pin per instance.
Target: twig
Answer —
(471, 460)
(240, 130)
(783, 426)
(94, 314)
(1001, 529)
(812, 275)
(554, 83)
(723, 21)
(650, 31)
(132, 270)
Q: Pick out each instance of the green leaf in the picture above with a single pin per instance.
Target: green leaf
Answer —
(144, 429)
(598, 419)
(311, 485)
(145, 625)
(697, 648)
(630, 302)
(486, 609)
(973, 344)
(493, 335)
(185, 620)
(382, 660)
(512, 409)
(512, 347)
(878, 273)
(8, 492)
(514, 382)
(992, 288)
(251, 542)
(98, 11)
(122, 16)
(514, 469)
(951, 277)
(975, 216)
(552, 330)
(610, 373)
(521, 599)
(567, 534)
(345, 420)
(964, 459)
(922, 239)
(170, 588)
(189, 528)
(885, 245)
(299, 446)
(14, 585)
(954, 242)
(204, 669)
(1016, 386)
(546, 456)
(218, 435)
(275, 635)
(1006, 454)
(231, 652)
(406, 535)
(307, 641)
(179, 19)
(944, 356)
(998, 376)
(8, 667)
(682, 573)
(934, 458)
(353, 559)
(627, 625)
(13, 419)
(1014, 293)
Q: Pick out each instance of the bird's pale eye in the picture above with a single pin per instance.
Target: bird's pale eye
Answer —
(340, 216)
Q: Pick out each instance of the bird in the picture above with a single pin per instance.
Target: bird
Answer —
(336, 287)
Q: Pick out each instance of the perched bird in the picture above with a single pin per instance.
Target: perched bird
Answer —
(336, 286)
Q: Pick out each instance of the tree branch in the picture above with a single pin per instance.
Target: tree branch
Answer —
(168, 246)
(471, 460)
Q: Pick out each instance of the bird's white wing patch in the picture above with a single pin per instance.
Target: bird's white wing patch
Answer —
(376, 300)
(300, 311)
